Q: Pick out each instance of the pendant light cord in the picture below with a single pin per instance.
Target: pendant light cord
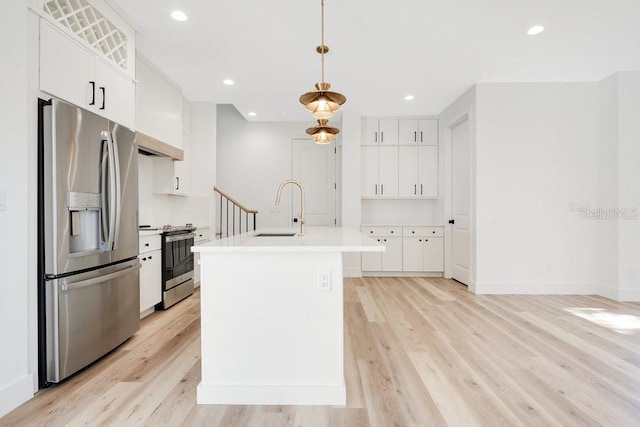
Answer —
(322, 48)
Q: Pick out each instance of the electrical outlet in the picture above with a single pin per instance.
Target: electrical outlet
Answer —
(324, 281)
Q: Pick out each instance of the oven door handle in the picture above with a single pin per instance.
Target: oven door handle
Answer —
(181, 236)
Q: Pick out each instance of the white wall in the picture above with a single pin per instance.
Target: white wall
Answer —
(608, 185)
(252, 159)
(197, 207)
(537, 159)
(16, 379)
(629, 186)
(351, 214)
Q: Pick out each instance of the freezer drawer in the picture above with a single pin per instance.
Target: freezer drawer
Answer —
(90, 314)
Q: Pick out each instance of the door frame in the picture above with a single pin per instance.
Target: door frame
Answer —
(447, 130)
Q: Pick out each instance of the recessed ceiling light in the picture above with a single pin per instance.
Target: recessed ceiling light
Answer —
(228, 82)
(536, 29)
(252, 114)
(409, 97)
(178, 15)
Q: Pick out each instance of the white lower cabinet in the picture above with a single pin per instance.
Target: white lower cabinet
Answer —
(409, 249)
(151, 272)
(423, 249)
(391, 259)
(202, 235)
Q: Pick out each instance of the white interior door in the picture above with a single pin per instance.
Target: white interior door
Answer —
(461, 202)
(314, 165)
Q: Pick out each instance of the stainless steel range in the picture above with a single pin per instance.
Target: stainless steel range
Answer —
(177, 264)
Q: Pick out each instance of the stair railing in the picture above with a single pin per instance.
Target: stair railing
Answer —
(233, 220)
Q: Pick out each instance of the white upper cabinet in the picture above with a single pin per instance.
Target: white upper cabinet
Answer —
(158, 105)
(418, 131)
(72, 72)
(401, 163)
(379, 131)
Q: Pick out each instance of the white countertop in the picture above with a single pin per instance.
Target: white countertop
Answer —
(316, 239)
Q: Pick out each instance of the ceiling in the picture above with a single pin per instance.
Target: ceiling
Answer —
(381, 50)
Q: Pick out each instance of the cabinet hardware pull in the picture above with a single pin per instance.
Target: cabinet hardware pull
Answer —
(391, 231)
(177, 182)
(376, 189)
(375, 136)
(419, 240)
(378, 240)
(385, 240)
(103, 97)
(144, 259)
(413, 232)
(371, 231)
(381, 137)
(420, 136)
(452, 221)
(146, 244)
(382, 189)
(93, 93)
(421, 189)
(415, 189)
(150, 257)
(415, 137)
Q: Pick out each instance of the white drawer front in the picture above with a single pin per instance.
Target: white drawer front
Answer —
(382, 231)
(150, 243)
(422, 231)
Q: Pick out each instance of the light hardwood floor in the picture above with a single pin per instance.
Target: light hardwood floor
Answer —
(419, 352)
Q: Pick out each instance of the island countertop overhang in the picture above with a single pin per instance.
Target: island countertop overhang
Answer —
(316, 239)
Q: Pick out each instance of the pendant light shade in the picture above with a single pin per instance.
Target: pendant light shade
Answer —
(323, 134)
(322, 103)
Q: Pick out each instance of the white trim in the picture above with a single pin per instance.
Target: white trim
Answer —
(401, 274)
(627, 295)
(351, 272)
(15, 394)
(258, 394)
(535, 288)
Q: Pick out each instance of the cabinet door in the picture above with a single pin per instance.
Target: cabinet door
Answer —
(433, 254)
(408, 172)
(369, 173)
(428, 171)
(150, 279)
(428, 131)
(370, 134)
(388, 131)
(412, 253)
(66, 68)
(181, 170)
(388, 172)
(115, 95)
(392, 257)
(408, 131)
(371, 261)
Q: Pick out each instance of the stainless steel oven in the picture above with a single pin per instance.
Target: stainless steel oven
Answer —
(177, 264)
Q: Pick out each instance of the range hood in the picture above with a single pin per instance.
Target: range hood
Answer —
(150, 146)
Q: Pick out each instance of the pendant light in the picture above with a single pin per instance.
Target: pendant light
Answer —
(323, 134)
(322, 102)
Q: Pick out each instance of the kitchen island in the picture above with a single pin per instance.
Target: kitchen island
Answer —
(272, 316)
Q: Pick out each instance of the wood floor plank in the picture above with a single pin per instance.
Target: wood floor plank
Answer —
(418, 352)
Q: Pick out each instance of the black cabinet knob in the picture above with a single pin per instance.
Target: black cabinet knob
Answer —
(146, 244)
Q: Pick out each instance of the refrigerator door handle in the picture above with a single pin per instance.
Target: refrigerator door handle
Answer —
(117, 194)
(104, 166)
(89, 282)
(112, 196)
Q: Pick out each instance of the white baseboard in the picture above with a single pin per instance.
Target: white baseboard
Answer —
(15, 394)
(534, 288)
(399, 274)
(351, 272)
(272, 394)
(627, 295)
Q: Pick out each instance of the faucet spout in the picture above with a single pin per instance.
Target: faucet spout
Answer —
(302, 213)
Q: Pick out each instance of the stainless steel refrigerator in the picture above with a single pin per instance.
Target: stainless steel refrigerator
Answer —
(89, 291)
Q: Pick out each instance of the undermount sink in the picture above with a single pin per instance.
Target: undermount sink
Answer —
(284, 234)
